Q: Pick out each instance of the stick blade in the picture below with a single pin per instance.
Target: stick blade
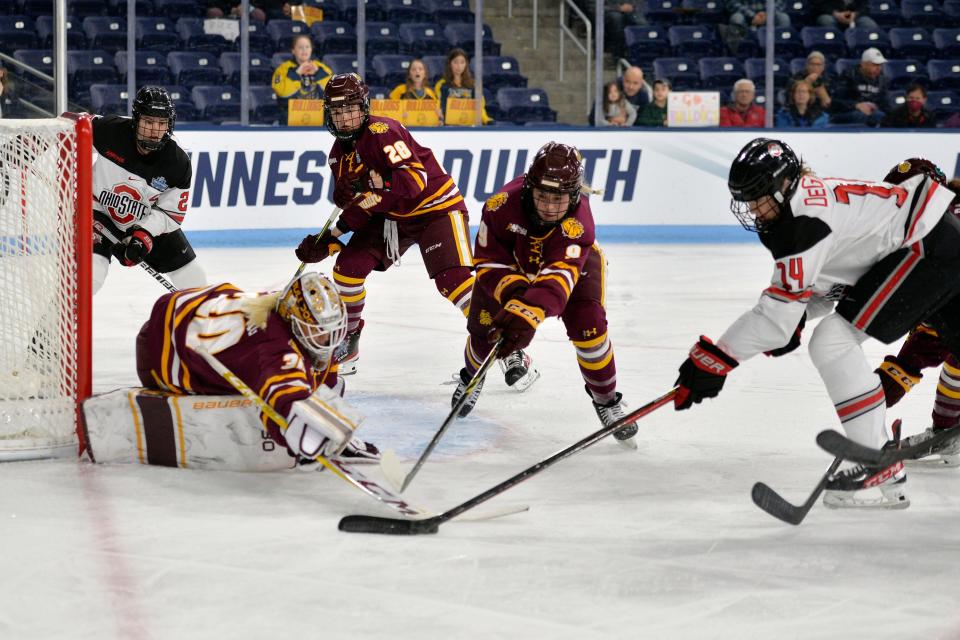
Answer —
(771, 502)
(842, 447)
(388, 526)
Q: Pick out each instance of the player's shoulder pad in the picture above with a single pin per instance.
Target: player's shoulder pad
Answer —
(795, 235)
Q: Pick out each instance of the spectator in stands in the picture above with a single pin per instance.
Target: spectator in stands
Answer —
(750, 14)
(617, 112)
(617, 16)
(457, 82)
(654, 113)
(815, 73)
(860, 96)
(8, 98)
(742, 110)
(912, 114)
(842, 14)
(302, 77)
(634, 88)
(802, 109)
(260, 10)
(415, 88)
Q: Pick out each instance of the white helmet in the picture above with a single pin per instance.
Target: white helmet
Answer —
(317, 315)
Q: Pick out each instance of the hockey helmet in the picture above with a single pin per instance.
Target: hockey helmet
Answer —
(556, 168)
(154, 102)
(760, 170)
(343, 90)
(913, 166)
(316, 314)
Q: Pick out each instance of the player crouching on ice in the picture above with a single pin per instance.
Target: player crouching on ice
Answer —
(278, 344)
(536, 256)
(888, 247)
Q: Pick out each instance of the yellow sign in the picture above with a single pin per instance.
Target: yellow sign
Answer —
(306, 14)
(387, 109)
(461, 112)
(305, 113)
(693, 109)
(420, 113)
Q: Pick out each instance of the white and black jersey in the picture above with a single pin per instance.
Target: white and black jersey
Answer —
(838, 230)
(151, 191)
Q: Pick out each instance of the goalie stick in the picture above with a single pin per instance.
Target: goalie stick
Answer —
(329, 223)
(774, 504)
(839, 445)
(396, 526)
(159, 277)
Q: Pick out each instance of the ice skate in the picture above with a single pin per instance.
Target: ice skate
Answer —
(945, 454)
(518, 370)
(461, 388)
(348, 353)
(866, 487)
(613, 412)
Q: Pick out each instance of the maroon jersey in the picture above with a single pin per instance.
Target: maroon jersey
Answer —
(416, 184)
(268, 359)
(508, 251)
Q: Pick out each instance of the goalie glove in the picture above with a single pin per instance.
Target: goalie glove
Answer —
(702, 374)
(136, 246)
(897, 378)
(318, 246)
(321, 425)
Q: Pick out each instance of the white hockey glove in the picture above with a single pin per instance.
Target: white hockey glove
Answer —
(321, 425)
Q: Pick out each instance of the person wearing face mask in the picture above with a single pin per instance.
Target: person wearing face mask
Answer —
(912, 114)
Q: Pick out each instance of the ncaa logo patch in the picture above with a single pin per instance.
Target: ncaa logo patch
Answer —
(159, 183)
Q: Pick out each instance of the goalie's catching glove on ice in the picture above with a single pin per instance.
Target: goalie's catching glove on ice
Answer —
(702, 375)
(321, 425)
(897, 378)
(318, 246)
(136, 246)
(516, 324)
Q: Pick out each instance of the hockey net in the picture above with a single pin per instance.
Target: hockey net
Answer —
(45, 299)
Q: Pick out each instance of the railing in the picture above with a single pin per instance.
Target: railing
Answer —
(586, 49)
(13, 62)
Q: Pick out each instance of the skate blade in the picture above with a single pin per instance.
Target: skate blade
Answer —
(526, 381)
(933, 462)
(873, 503)
(630, 444)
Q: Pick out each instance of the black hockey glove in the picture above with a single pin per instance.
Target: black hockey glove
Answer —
(318, 246)
(702, 375)
(516, 324)
(897, 378)
(794, 340)
(137, 245)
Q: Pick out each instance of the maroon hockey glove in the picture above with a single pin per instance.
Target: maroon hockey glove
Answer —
(794, 340)
(897, 378)
(702, 375)
(345, 191)
(318, 246)
(137, 245)
(516, 324)
(923, 349)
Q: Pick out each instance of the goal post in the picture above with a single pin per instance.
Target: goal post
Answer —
(46, 247)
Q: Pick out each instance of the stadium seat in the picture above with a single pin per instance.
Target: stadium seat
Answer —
(390, 69)
(382, 38)
(86, 8)
(282, 32)
(260, 68)
(952, 9)
(886, 13)
(189, 69)
(786, 42)
(444, 11)
(826, 40)
(860, 39)
(85, 68)
(665, 12)
(175, 9)
(378, 92)
(799, 11)
(17, 32)
(144, 8)
(260, 40)
(151, 67)
(692, 41)
(76, 38)
(435, 67)
(946, 43)
(756, 69)
(216, 103)
(460, 34)
(106, 33)
(719, 73)
(708, 12)
(196, 39)
(422, 39)
(943, 104)
(39, 59)
(157, 34)
(844, 65)
(923, 13)
(910, 42)
(264, 108)
(646, 43)
(681, 73)
(341, 62)
(346, 10)
(525, 105)
(500, 72)
(400, 11)
(186, 111)
(944, 74)
(106, 99)
(900, 73)
(334, 37)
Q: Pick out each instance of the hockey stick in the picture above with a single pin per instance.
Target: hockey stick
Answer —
(392, 468)
(159, 277)
(329, 223)
(839, 445)
(396, 526)
(771, 501)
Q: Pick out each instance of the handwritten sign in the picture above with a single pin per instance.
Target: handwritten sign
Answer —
(693, 109)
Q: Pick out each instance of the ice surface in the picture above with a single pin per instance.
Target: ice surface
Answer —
(663, 542)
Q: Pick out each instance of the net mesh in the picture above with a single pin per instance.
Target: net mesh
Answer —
(38, 292)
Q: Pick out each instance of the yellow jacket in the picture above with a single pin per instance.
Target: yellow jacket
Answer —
(400, 89)
(289, 84)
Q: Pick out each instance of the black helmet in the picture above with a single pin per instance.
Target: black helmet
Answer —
(759, 170)
(342, 90)
(556, 168)
(154, 102)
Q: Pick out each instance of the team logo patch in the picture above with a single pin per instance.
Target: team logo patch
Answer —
(485, 318)
(496, 201)
(379, 127)
(571, 228)
(903, 167)
(774, 149)
(159, 183)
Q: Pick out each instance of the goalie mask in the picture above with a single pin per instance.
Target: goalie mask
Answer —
(153, 102)
(316, 314)
(764, 167)
(346, 98)
(913, 166)
(552, 181)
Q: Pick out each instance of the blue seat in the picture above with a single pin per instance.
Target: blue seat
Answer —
(259, 39)
(17, 32)
(665, 12)
(106, 33)
(703, 12)
(799, 11)
(186, 111)
(157, 34)
(944, 74)
(391, 69)
(85, 8)
(144, 8)
(646, 43)
(334, 37)
(422, 38)
(282, 32)
(786, 42)
(952, 9)
(860, 38)
(39, 59)
(460, 34)
(923, 13)
(151, 66)
(379, 92)
(264, 107)
(886, 13)
(341, 62)
(382, 38)
(400, 11)
(76, 38)
(216, 103)
(347, 10)
(943, 103)
(946, 43)
(900, 73)
(525, 105)
(190, 69)
(259, 68)
(435, 67)
(108, 98)
(175, 9)
(692, 41)
(444, 11)
(826, 40)
(681, 73)
(910, 42)
(195, 38)
(843, 65)
(719, 73)
(500, 72)
(85, 68)
(756, 69)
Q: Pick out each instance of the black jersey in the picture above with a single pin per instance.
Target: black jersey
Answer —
(151, 191)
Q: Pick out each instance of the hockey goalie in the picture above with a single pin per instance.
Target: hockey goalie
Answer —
(198, 349)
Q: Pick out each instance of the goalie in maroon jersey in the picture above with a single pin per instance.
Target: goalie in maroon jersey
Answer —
(536, 256)
(394, 194)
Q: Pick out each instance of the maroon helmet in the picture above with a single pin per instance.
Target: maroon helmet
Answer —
(555, 168)
(342, 90)
(913, 166)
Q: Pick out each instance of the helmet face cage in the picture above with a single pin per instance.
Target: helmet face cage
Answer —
(317, 315)
(556, 168)
(759, 170)
(153, 102)
(913, 166)
(342, 90)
